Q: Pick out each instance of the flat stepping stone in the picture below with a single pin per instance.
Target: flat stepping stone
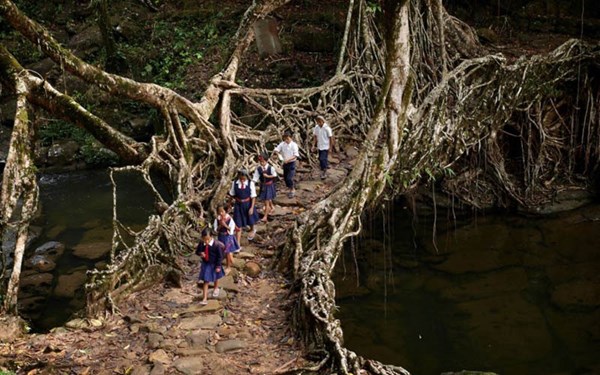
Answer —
(283, 200)
(280, 211)
(336, 174)
(213, 305)
(210, 321)
(245, 255)
(237, 263)
(310, 185)
(198, 339)
(190, 365)
(177, 296)
(229, 345)
(227, 283)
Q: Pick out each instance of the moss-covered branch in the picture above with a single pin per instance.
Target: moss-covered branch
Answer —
(41, 93)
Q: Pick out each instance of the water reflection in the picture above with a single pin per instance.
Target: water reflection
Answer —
(507, 294)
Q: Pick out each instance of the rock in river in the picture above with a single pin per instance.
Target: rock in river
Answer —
(41, 263)
(68, 284)
(92, 250)
(52, 249)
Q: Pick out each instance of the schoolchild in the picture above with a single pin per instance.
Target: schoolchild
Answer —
(225, 228)
(265, 175)
(211, 252)
(243, 192)
(289, 151)
(323, 142)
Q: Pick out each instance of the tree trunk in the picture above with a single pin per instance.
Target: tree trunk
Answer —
(113, 63)
(19, 195)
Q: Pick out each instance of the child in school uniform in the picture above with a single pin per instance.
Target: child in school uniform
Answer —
(243, 193)
(323, 142)
(289, 151)
(211, 251)
(225, 228)
(265, 174)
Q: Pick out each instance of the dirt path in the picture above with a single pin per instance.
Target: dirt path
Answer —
(164, 330)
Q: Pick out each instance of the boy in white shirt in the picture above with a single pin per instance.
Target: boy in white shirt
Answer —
(288, 149)
(323, 142)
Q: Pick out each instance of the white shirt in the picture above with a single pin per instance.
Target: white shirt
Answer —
(288, 150)
(323, 134)
(239, 184)
(256, 176)
(231, 230)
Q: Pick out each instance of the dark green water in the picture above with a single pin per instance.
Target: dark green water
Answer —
(77, 211)
(507, 294)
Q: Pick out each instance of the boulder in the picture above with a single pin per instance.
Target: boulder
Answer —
(190, 365)
(77, 324)
(267, 38)
(37, 280)
(41, 263)
(68, 284)
(31, 303)
(62, 152)
(238, 263)
(566, 200)
(159, 356)
(55, 231)
(42, 67)
(87, 40)
(92, 250)
(197, 339)
(252, 269)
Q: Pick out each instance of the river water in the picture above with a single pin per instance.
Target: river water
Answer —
(502, 293)
(77, 212)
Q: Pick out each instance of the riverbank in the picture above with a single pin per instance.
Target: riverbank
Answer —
(165, 330)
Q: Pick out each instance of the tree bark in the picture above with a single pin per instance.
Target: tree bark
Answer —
(19, 195)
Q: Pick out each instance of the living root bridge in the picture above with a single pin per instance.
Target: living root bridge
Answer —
(463, 113)
(415, 120)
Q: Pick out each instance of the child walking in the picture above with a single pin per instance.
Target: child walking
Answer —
(266, 175)
(323, 142)
(288, 149)
(225, 228)
(211, 251)
(243, 192)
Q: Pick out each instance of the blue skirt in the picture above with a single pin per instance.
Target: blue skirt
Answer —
(208, 272)
(240, 214)
(230, 242)
(267, 192)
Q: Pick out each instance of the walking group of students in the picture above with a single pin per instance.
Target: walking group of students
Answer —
(245, 215)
